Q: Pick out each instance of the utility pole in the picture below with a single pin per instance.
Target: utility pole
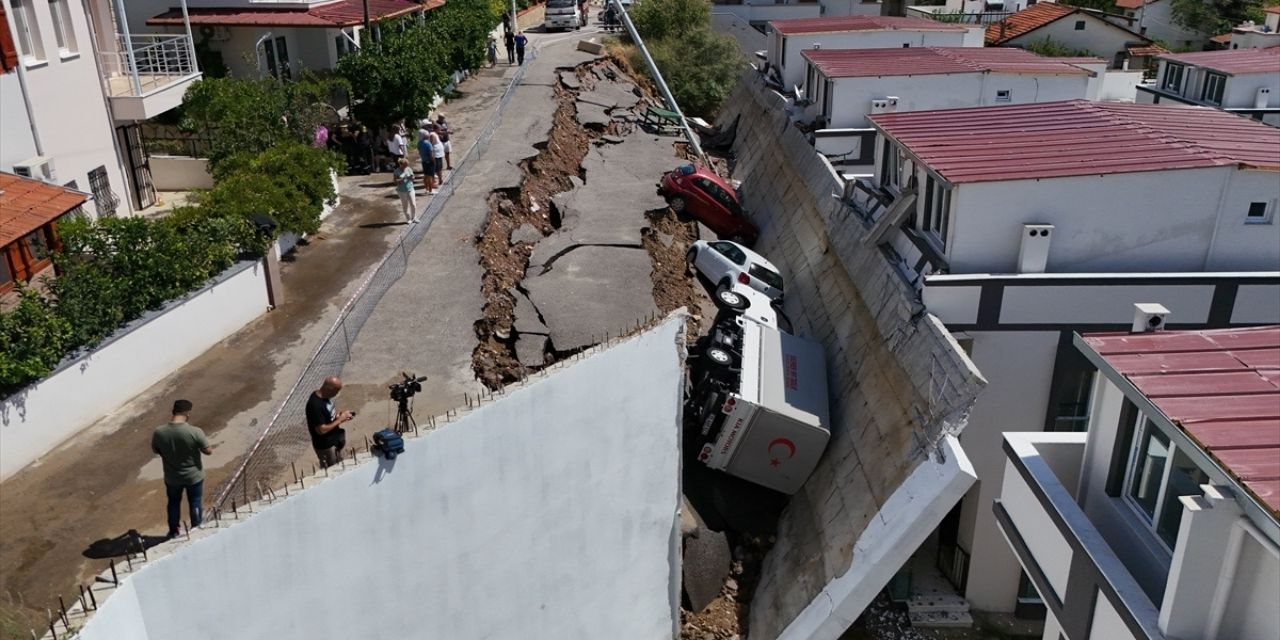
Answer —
(513, 17)
(657, 79)
(366, 17)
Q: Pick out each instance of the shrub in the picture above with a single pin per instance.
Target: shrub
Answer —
(700, 67)
(1054, 49)
(289, 182)
(662, 19)
(33, 338)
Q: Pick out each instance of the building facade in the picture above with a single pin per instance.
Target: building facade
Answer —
(1160, 520)
(1021, 225)
(1075, 29)
(1241, 81)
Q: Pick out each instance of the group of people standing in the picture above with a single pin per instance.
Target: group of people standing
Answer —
(435, 152)
(513, 42)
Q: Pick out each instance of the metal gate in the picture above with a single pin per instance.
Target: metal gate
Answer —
(144, 191)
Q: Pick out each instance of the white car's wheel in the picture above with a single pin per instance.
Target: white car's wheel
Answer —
(727, 297)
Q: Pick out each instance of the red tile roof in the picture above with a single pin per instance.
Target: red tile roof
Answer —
(1077, 138)
(861, 63)
(341, 13)
(1221, 387)
(845, 24)
(1232, 61)
(1271, 9)
(1141, 50)
(27, 205)
(1026, 21)
(1134, 4)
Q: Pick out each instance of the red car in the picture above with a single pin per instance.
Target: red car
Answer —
(701, 193)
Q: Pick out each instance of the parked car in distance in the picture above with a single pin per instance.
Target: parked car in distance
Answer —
(702, 194)
(730, 266)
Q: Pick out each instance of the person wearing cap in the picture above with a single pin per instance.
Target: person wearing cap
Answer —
(180, 446)
(442, 130)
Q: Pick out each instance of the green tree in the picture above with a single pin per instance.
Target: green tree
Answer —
(699, 87)
(33, 339)
(1052, 48)
(663, 19)
(1211, 17)
(289, 182)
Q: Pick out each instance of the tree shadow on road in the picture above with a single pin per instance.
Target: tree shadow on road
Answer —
(121, 545)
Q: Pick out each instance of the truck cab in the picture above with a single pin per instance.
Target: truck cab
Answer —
(759, 403)
(562, 14)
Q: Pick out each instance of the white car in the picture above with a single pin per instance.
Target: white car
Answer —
(726, 264)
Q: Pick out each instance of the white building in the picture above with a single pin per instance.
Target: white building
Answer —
(69, 101)
(254, 38)
(1242, 81)
(1154, 19)
(1163, 520)
(1250, 35)
(1030, 222)
(787, 38)
(845, 85)
(1076, 29)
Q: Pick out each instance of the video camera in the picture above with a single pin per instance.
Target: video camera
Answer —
(402, 391)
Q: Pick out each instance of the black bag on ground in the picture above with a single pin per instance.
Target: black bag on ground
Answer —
(389, 442)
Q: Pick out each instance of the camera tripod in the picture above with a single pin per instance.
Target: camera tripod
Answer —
(404, 417)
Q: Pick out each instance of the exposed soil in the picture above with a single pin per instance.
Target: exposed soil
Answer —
(726, 617)
(667, 240)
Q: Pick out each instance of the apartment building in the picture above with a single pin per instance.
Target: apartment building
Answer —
(73, 90)
(1241, 81)
(1251, 35)
(251, 38)
(788, 38)
(1021, 225)
(1074, 28)
(1162, 519)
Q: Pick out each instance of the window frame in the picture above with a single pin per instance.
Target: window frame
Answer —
(1172, 71)
(1151, 523)
(934, 211)
(30, 41)
(891, 161)
(104, 199)
(64, 28)
(1268, 211)
(1079, 26)
(1213, 83)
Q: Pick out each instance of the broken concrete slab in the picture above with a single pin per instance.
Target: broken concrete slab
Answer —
(526, 315)
(580, 298)
(570, 80)
(612, 95)
(590, 46)
(592, 115)
(707, 561)
(531, 349)
(526, 233)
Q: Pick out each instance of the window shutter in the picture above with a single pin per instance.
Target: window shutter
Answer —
(8, 51)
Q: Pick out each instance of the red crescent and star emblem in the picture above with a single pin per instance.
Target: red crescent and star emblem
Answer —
(783, 442)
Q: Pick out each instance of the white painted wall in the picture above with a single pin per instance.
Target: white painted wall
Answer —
(37, 419)
(1107, 622)
(851, 97)
(1045, 543)
(1256, 304)
(835, 8)
(1099, 37)
(17, 144)
(793, 64)
(1251, 612)
(1119, 86)
(180, 173)
(1104, 222)
(758, 12)
(1242, 90)
(65, 90)
(1018, 366)
(530, 517)
(1155, 20)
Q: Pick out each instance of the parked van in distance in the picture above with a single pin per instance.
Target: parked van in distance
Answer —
(562, 14)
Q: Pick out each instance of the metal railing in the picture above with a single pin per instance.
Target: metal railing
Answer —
(144, 63)
(942, 14)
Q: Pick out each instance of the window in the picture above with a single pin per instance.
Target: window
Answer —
(1079, 25)
(1259, 213)
(890, 165)
(63, 28)
(29, 42)
(1214, 83)
(1004, 95)
(277, 55)
(809, 82)
(37, 245)
(6, 273)
(730, 251)
(934, 209)
(103, 197)
(1160, 474)
(1173, 73)
(766, 276)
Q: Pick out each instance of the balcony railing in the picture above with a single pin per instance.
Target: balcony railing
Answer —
(942, 14)
(146, 63)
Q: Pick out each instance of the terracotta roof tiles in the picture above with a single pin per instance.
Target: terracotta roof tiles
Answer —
(1232, 61)
(1026, 21)
(27, 205)
(844, 24)
(854, 63)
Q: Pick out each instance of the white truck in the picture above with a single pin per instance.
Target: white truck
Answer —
(759, 403)
(563, 14)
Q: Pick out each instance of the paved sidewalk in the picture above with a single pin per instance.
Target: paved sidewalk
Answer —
(106, 481)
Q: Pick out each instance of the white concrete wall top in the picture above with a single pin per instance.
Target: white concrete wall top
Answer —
(549, 513)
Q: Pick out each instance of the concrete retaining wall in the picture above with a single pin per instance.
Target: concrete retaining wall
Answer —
(550, 513)
(899, 384)
(180, 173)
(38, 418)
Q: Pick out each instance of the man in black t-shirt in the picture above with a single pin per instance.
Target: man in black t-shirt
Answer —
(324, 422)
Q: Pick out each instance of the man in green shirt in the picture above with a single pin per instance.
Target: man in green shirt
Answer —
(180, 445)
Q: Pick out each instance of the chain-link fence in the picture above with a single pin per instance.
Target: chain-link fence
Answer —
(282, 439)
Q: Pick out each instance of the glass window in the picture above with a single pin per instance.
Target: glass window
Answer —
(730, 251)
(37, 245)
(1258, 212)
(1184, 480)
(29, 41)
(63, 27)
(1214, 84)
(890, 164)
(1173, 77)
(1079, 25)
(686, 169)
(1148, 469)
(766, 276)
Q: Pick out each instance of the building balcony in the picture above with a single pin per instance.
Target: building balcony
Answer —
(1087, 589)
(148, 74)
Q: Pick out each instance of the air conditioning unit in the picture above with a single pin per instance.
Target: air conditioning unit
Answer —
(1148, 317)
(1033, 254)
(37, 168)
(886, 104)
(1263, 97)
(215, 34)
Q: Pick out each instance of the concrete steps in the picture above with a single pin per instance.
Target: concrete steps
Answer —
(939, 610)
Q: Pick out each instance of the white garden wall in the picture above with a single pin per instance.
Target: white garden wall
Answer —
(552, 512)
(40, 417)
(180, 173)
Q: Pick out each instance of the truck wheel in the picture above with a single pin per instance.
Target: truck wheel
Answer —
(719, 356)
(677, 204)
(729, 298)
